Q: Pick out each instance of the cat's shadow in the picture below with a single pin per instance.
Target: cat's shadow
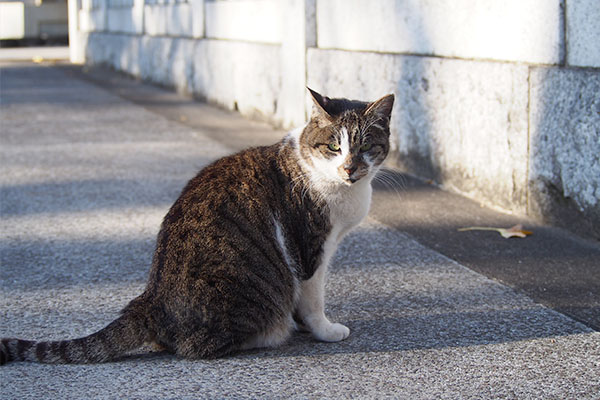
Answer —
(430, 331)
(413, 332)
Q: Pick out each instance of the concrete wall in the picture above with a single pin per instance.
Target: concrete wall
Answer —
(496, 99)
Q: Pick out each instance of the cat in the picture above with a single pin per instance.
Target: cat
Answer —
(241, 257)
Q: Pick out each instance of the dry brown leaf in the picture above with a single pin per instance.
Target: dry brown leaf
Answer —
(513, 231)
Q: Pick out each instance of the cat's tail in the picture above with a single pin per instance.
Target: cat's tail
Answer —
(124, 334)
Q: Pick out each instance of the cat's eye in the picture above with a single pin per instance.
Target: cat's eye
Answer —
(333, 147)
(366, 147)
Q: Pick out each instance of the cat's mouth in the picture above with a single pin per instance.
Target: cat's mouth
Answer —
(351, 175)
(353, 178)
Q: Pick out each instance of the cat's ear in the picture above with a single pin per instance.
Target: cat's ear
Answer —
(382, 107)
(320, 106)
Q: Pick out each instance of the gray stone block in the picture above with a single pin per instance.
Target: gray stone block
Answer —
(179, 20)
(175, 19)
(583, 33)
(248, 20)
(298, 34)
(111, 49)
(564, 178)
(92, 19)
(125, 19)
(514, 30)
(155, 20)
(154, 58)
(167, 61)
(461, 123)
(238, 75)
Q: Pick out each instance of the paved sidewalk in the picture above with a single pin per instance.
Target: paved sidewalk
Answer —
(35, 54)
(85, 178)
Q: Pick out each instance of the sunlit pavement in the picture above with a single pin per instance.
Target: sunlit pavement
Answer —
(89, 164)
(35, 54)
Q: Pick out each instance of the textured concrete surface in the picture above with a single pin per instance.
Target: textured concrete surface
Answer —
(461, 123)
(91, 19)
(554, 267)
(237, 75)
(47, 53)
(564, 145)
(509, 30)
(249, 21)
(241, 76)
(125, 16)
(583, 33)
(85, 179)
(174, 19)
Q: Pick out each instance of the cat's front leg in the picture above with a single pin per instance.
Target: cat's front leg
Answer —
(311, 309)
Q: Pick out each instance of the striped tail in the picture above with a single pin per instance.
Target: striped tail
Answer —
(124, 334)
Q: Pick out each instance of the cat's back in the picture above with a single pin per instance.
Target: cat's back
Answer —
(227, 209)
(250, 175)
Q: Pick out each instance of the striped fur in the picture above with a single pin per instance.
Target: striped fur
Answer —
(124, 334)
(244, 249)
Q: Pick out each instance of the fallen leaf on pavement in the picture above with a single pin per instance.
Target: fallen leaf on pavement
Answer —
(513, 231)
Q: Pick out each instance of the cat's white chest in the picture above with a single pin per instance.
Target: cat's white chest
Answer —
(349, 208)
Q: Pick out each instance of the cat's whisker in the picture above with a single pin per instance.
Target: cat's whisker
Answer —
(391, 181)
(397, 179)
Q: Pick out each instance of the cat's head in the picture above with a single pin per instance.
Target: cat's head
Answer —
(346, 140)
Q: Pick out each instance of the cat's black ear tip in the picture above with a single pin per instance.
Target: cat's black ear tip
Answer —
(313, 93)
(383, 106)
(319, 100)
(316, 95)
(392, 98)
(387, 99)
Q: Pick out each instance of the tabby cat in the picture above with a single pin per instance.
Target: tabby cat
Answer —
(242, 255)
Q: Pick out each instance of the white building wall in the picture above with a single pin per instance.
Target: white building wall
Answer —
(33, 19)
(491, 95)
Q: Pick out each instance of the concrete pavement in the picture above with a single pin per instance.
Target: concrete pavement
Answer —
(90, 162)
(35, 54)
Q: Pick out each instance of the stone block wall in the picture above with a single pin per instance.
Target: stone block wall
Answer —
(496, 99)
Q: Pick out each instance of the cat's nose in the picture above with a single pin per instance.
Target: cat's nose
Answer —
(349, 169)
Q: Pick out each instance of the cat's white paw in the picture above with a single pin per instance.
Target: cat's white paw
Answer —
(333, 333)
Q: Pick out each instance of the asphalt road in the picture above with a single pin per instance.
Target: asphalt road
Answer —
(86, 174)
